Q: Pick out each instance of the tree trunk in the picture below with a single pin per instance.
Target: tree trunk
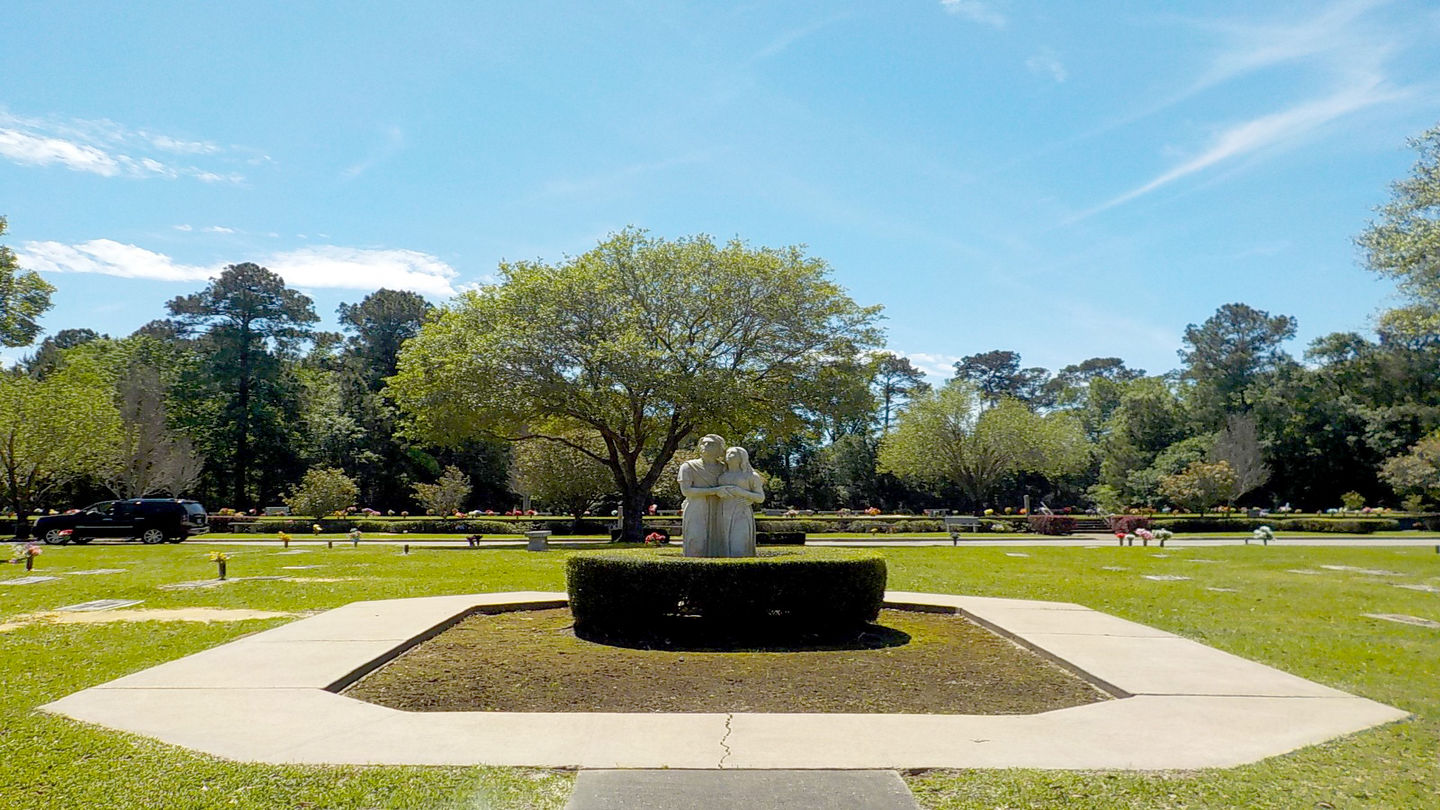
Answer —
(633, 506)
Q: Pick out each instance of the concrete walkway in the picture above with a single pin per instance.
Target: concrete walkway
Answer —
(273, 697)
(732, 790)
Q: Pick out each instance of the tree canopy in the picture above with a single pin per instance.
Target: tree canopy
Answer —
(948, 438)
(642, 343)
(24, 297)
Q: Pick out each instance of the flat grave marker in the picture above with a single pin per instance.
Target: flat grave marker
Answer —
(95, 605)
(1403, 619)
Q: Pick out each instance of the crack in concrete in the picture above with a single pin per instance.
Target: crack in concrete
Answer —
(727, 753)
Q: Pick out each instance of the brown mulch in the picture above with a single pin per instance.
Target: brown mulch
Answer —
(531, 661)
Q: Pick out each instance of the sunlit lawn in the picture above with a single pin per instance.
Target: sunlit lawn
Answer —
(1306, 623)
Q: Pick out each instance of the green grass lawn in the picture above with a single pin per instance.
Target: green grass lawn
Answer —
(1306, 623)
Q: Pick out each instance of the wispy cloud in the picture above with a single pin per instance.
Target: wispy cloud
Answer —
(1266, 131)
(1047, 63)
(392, 142)
(322, 266)
(976, 11)
(107, 149)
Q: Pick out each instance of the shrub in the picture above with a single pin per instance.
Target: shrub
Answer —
(446, 496)
(1352, 501)
(1127, 524)
(921, 525)
(644, 595)
(1052, 524)
(790, 525)
(1340, 525)
(322, 492)
(1194, 525)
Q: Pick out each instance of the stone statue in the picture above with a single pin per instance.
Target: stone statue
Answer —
(720, 489)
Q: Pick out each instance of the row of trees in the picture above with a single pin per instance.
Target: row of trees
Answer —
(579, 383)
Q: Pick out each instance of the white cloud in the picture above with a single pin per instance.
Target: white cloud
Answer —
(326, 266)
(939, 367)
(975, 11)
(365, 269)
(182, 227)
(219, 229)
(36, 150)
(102, 147)
(1047, 63)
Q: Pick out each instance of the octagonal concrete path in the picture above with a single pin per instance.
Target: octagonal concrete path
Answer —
(272, 698)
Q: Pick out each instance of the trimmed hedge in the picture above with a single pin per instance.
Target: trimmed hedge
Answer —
(645, 595)
(1194, 525)
(1339, 525)
(1329, 525)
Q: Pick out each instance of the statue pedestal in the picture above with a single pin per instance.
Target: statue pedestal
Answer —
(537, 541)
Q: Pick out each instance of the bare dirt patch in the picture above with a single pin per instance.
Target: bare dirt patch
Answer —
(196, 614)
(531, 661)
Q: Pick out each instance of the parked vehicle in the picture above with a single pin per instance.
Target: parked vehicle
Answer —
(151, 520)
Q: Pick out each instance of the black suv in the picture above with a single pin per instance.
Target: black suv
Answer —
(153, 520)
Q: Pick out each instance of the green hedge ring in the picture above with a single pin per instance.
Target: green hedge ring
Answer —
(646, 593)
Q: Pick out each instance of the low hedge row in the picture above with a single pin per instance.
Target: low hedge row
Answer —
(642, 595)
(1198, 525)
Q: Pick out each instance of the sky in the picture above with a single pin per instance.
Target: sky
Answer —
(1063, 180)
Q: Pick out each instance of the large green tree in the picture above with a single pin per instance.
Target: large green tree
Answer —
(1229, 353)
(640, 343)
(24, 297)
(249, 322)
(53, 431)
(948, 439)
(1404, 244)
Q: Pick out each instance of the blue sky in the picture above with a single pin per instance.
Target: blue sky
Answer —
(1065, 180)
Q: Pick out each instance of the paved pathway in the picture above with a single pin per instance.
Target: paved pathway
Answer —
(751, 790)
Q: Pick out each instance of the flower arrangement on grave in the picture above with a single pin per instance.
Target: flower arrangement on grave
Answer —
(874, 510)
(354, 536)
(315, 529)
(1145, 535)
(1264, 534)
(656, 539)
(1162, 535)
(219, 558)
(26, 553)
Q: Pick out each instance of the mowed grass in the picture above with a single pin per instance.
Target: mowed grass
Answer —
(1306, 623)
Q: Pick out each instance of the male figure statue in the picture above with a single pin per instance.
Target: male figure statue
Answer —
(700, 514)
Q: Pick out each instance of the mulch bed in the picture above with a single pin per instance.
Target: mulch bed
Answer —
(531, 661)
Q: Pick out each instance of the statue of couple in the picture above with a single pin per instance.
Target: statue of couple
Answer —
(720, 489)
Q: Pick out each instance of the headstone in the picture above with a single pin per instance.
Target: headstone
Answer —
(537, 541)
(1113, 568)
(300, 567)
(1016, 554)
(1372, 572)
(1223, 590)
(99, 604)
(95, 571)
(1165, 578)
(26, 580)
(1422, 588)
(276, 511)
(1403, 619)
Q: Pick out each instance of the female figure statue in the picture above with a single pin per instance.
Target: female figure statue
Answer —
(742, 488)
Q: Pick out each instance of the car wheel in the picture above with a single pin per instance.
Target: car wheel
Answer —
(152, 537)
(55, 538)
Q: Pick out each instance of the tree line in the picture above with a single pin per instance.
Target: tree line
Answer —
(577, 385)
